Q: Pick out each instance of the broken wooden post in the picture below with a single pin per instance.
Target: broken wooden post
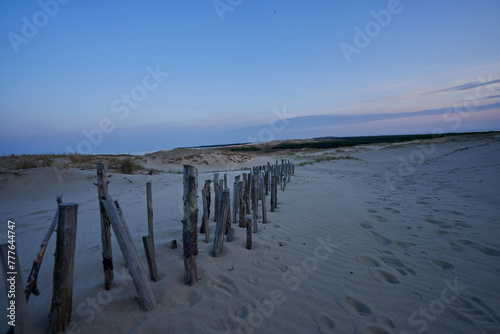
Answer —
(249, 232)
(221, 222)
(189, 224)
(204, 219)
(242, 209)
(216, 196)
(132, 259)
(225, 180)
(149, 198)
(31, 286)
(17, 305)
(107, 253)
(62, 293)
(206, 187)
(150, 256)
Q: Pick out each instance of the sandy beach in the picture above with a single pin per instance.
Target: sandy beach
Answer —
(386, 238)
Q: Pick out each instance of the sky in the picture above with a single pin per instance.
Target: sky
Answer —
(140, 76)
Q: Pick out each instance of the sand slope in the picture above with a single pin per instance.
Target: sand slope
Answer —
(404, 240)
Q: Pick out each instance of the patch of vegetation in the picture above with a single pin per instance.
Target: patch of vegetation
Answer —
(246, 149)
(336, 142)
(128, 166)
(34, 161)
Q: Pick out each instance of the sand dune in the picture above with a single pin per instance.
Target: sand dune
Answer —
(399, 238)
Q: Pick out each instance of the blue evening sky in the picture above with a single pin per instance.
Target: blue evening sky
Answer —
(137, 76)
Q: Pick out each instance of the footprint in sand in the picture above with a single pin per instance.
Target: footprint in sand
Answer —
(473, 309)
(380, 218)
(368, 261)
(481, 248)
(442, 264)
(254, 280)
(385, 322)
(371, 210)
(356, 307)
(380, 239)
(366, 225)
(389, 259)
(225, 285)
(259, 262)
(438, 223)
(385, 277)
(325, 323)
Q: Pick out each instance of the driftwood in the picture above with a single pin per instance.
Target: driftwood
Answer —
(107, 253)
(12, 276)
(132, 259)
(31, 286)
(189, 223)
(62, 293)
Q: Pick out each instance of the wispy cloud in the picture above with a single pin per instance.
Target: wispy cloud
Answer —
(467, 86)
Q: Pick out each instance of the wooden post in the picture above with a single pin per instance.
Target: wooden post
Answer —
(236, 201)
(205, 225)
(132, 259)
(221, 222)
(216, 196)
(107, 253)
(150, 256)
(230, 235)
(17, 306)
(225, 180)
(149, 198)
(204, 221)
(62, 293)
(256, 202)
(189, 230)
(249, 232)
(242, 210)
(272, 191)
(246, 176)
(31, 286)
(264, 211)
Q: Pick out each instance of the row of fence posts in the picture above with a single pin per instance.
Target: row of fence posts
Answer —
(248, 190)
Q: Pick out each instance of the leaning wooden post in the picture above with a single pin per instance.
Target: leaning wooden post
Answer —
(221, 222)
(31, 285)
(150, 256)
(149, 198)
(204, 221)
(62, 293)
(189, 229)
(132, 259)
(249, 232)
(17, 306)
(107, 253)
(206, 227)
(242, 210)
(216, 196)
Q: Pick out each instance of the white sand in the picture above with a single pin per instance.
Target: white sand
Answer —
(355, 246)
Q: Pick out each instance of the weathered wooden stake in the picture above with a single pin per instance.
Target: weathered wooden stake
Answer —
(272, 192)
(62, 293)
(205, 224)
(107, 252)
(221, 222)
(216, 196)
(246, 177)
(150, 256)
(242, 210)
(249, 232)
(264, 211)
(189, 223)
(230, 235)
(17, 313)
(206, 187)
(132, 259)
(236, 201)
(149, 198)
